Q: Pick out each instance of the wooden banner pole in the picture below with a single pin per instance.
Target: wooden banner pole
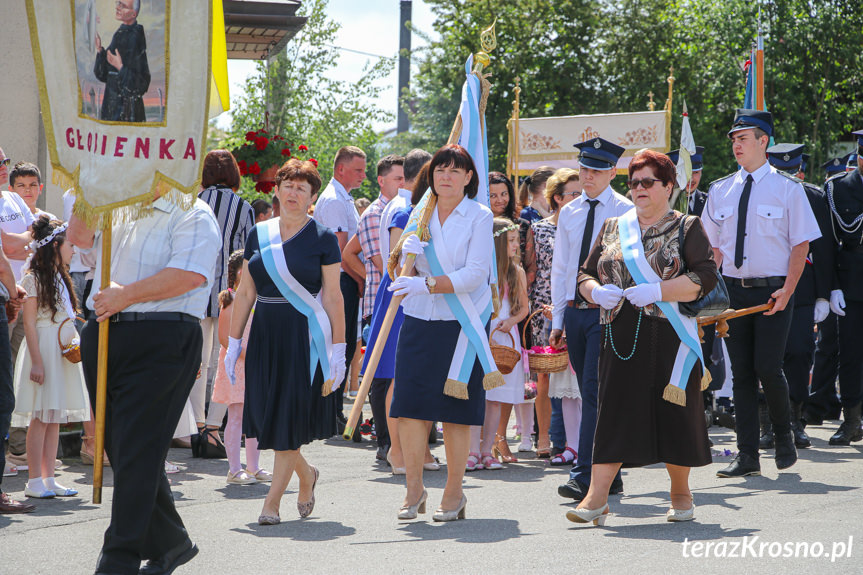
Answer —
(102, 367)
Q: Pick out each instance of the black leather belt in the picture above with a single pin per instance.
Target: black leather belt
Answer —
(771, 282)
(149, 316)
(581, 304)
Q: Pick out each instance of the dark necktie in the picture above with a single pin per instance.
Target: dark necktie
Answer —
(588, 233)
(742, 208)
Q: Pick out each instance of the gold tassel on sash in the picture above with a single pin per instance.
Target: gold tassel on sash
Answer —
(705, 380)
(492, 380)
(675, 395)
(456, 389)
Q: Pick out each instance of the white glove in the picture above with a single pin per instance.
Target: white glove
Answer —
(409, 285)
(231, 356)
(338, 363)
(822, 308)
(643, 295)
(837, 302)
(606, 296)
(413, 245)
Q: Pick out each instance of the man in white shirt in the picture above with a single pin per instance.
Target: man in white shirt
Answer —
(760, 225)
(578, 225)
(162, 267)
(335, 209)
(414, 162)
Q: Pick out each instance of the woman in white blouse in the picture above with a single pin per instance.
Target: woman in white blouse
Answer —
(436, 380)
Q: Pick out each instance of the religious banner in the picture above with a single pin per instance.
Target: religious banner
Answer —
(124, 87)
(550, 141)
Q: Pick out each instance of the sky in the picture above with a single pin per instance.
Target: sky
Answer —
(370, 26)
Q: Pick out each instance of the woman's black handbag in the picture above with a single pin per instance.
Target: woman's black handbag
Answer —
(713, 303)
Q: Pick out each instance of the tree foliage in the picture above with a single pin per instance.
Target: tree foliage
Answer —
(603, 56)
(308, 105)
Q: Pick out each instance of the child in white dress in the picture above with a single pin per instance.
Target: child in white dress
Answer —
(49, 389)
(514, 307)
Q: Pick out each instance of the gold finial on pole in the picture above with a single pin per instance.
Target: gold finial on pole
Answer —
(651, 105)
(488, 41)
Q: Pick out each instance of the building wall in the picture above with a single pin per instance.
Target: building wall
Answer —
(22, 136)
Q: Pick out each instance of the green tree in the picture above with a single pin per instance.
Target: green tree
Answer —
(300, 99)
(580, 57)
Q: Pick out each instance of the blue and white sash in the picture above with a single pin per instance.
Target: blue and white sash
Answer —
(320, 332)
(686, 328)
(473, 339)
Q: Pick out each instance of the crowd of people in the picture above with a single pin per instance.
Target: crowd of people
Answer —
(259, 314)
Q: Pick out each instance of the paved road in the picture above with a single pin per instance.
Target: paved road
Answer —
(515, 521)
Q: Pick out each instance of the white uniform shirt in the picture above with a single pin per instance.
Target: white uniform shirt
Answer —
(778, 218)
(15, 218)
(335, 209)
(169, 238)
(469, 242)
(395, 205)
(567, 244)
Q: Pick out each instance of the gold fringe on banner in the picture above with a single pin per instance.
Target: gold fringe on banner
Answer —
(131, 209)
(675, 395)
(455, 389)
(492, 380)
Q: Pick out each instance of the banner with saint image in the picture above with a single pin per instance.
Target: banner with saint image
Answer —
(124, 89)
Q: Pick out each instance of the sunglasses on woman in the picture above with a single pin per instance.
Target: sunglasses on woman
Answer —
(646, 183)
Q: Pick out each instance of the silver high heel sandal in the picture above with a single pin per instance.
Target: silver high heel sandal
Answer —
(598, 516)
(442, 515)
(410, 511)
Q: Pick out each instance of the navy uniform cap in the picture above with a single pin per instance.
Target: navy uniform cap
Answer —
(697, 158)
(804, 163)
(859, 134)
(746, 119)
(599, 154)
(834, 166)
(785, 156)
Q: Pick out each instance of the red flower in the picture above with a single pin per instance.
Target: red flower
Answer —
(286, 152)
(244, 168)
(265, 187)
(250, 136)
(255, 169)
(261, 143)
(303, 148)
(277, 137)
(314, 161)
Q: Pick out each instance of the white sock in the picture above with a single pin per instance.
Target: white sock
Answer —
(36, 485)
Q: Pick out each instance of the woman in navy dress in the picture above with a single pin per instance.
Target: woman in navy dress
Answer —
(285, 408)
(427, 341)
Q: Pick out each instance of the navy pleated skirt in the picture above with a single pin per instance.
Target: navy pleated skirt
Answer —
(423, 356)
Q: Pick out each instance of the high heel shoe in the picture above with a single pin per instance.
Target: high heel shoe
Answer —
(208, 449)
(410, 511)
(582, 515)
(675, 515)
(496, 452)
(393, 468)
(442, 515)
(89, 457)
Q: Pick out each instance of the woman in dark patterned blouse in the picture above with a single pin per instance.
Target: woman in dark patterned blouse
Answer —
(636, 424)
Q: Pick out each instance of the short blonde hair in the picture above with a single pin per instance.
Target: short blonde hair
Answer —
(556, 183)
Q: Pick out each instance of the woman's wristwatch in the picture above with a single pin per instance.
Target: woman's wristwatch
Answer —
(431, 283)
